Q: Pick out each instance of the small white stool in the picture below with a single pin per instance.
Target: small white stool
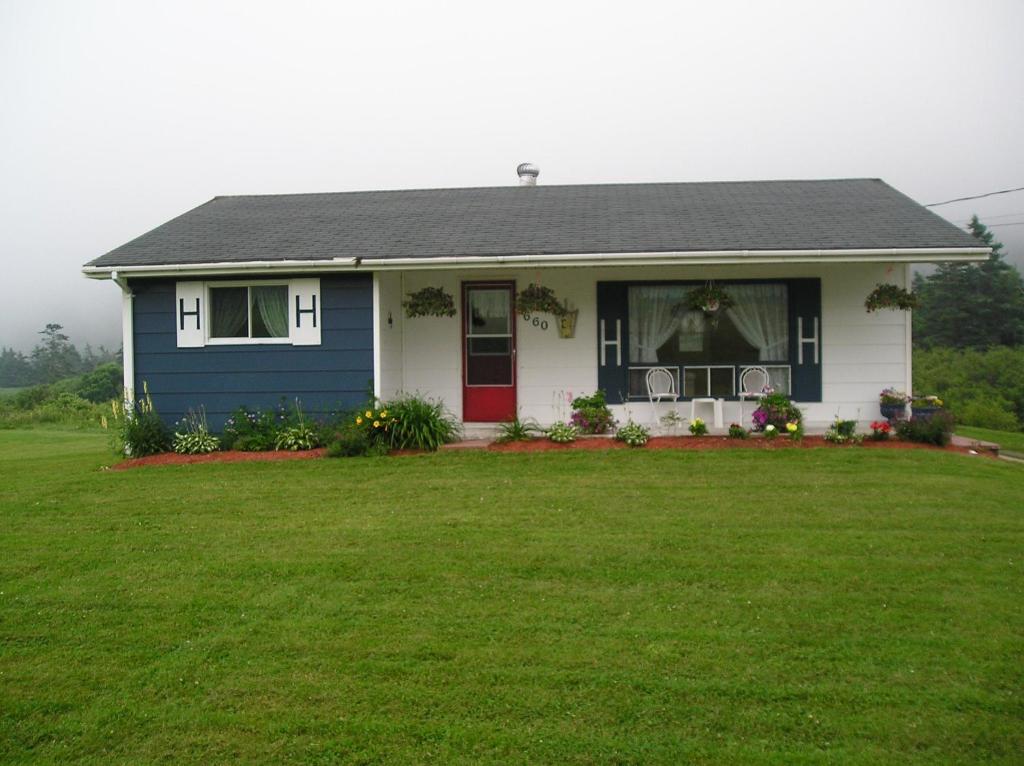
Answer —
(716, 404)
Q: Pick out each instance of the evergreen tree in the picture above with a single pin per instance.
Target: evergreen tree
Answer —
(15, 369)
(55, 357)
(964, 305)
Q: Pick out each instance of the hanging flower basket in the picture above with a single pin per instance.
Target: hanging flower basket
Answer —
(889, 296)
(429, 302)
(710, 299)
(535, 299)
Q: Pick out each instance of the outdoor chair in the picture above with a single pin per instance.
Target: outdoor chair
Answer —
(753, 383)
(661, 386)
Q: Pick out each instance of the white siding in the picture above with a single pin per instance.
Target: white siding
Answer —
(861, 353)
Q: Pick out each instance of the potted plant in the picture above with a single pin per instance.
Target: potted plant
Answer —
(893, 404)
(925, 406)
(890, 296)
(537, 299)
(775, 410)
(710, 299)
(429, 302)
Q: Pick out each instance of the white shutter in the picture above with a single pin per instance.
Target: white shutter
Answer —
(190, 314)
(304, 311)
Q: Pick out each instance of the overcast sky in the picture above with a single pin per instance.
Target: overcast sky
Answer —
(117, 116)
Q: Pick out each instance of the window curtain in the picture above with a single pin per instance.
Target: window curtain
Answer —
(653, 319)
(489, 304)
(230, 312)
(272, 305)
(691, 332)
(760, 314)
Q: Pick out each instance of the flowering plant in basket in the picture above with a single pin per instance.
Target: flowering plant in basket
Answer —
(776, 410)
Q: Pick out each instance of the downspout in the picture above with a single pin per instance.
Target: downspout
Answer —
(376, 338)
(127, 337)
(909, 334)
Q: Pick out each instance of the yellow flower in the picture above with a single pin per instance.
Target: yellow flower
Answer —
(383, 413)
(359, 421)
(369, 413)
(376, 424)
(791, 427)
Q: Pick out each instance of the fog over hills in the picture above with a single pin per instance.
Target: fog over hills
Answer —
(117, 117)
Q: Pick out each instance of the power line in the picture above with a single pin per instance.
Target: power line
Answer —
(976, 196)
(994, 217)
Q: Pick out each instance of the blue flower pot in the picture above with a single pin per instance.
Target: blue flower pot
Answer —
(893, 411)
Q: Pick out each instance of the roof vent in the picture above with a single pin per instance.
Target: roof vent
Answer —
(528, 173)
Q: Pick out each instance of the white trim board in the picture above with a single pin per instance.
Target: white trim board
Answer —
(673, 258)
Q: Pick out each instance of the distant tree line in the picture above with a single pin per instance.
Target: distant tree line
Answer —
(971, 306)
(969, 337)
(54, 358)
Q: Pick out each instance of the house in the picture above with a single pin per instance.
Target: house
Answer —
(248, 299)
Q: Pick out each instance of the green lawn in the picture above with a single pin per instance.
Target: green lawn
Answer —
(1012, 441)
(804, 606)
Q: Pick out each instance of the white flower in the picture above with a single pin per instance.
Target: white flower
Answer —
(769, 428)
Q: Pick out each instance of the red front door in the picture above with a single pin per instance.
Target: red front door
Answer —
(488, 352)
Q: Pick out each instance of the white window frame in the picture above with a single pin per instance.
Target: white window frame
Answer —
(212, 340)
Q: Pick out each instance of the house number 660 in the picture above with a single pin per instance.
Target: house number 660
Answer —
(536, 321)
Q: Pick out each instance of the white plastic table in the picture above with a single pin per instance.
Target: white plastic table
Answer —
(717, 405)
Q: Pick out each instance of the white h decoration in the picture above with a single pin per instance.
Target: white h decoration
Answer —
(617, 342)
(189, 314)
(304, 311)
(801, 340)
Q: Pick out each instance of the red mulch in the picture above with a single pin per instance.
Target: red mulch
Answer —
(711, 443)
(544, 445)
(231, 456)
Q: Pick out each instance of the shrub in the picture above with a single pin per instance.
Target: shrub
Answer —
(252, 430)
(101, 385)
(297, 434)
(770, 431)
(417, 423)
(993, 413)
(983, 388)
(843, 432)
(562, 433)
(196, 439)
(517, 430)
(591, 414)
(139, 429)
(776, 410)
(30, 398)
(633, 434)
(698, 427)
(736, 431)
(795, 429)
(936, 429)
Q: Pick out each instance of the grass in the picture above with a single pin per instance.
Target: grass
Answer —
(798, 606)
(1012, 441)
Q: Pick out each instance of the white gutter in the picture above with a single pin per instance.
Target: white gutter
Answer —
(127, 336)
(674, 258)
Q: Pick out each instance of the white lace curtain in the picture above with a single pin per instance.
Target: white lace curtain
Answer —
(272, 305)
(653, 319)
(760, 314)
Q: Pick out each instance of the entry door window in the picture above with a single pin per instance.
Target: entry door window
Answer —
(489, 336)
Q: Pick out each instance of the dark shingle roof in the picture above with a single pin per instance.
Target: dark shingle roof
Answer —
(494, 221)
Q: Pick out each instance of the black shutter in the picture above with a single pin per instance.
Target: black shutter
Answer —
(805, 349)
(612, 346)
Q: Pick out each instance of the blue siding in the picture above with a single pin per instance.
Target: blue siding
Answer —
(335, 375)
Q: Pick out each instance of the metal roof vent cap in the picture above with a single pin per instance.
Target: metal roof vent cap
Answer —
(528, 173)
